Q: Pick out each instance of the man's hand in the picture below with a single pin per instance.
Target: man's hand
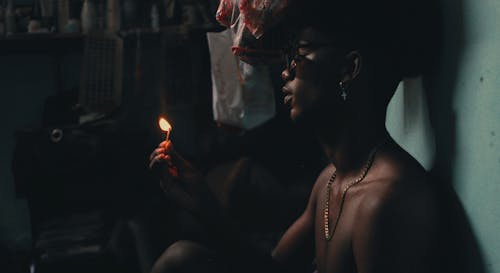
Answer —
(179, 179)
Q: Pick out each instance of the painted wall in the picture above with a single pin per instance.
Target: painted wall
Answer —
(463, 94)
(477, 106)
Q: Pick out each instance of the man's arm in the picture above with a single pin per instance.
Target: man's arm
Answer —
(182, 183)
(396, 230)
(293, 253)
(299, 237)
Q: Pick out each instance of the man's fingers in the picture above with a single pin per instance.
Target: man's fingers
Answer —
(163, 148)
(168, 159)
(159, 158)
(167, 145)
(152, 163)
(152, 155)
(156, 152)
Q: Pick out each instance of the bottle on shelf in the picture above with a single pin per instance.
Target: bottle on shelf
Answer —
(100, 15)
(72, 13)
(10, 18)
(129, 10)
(62, 15)
(48, 14)
(170, 7)
(35, 23)
(2, 20)
(89, 16)
(155, 18)
(113, 16)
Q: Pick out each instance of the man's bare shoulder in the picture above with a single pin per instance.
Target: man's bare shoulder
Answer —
(322, 178)
(396, 182)
(319, 184)
(327, 171)
(396, 215)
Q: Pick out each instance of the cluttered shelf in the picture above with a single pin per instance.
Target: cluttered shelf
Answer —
(46, 43)
(49, 28)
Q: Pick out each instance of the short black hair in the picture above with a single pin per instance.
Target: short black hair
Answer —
(403, 30)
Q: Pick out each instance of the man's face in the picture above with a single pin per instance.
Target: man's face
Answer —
(312, 76)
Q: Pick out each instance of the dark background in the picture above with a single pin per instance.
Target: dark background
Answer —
(101, 182)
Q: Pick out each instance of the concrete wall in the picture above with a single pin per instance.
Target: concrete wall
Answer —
(477, 105)
(463, 95)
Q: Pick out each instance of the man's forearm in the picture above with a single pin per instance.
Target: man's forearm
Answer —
(241, 252)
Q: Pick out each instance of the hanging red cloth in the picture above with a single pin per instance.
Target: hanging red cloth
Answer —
(250, 20)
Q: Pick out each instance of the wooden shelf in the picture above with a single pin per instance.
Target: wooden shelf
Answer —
(41, 43)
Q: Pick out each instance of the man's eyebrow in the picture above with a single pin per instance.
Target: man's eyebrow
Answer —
(309, 45)
(315, 44)
(306, 45)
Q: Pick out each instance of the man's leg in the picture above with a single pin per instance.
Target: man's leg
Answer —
(186, 257)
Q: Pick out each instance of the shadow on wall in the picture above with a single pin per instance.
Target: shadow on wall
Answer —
(460, 251)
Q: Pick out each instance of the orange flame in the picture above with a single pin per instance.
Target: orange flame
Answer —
(164, 125)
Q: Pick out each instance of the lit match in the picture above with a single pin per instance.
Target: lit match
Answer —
(165, 127)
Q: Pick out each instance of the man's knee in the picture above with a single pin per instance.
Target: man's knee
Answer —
(184, 256)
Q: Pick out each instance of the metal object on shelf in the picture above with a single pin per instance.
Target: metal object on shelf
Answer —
(56, 135)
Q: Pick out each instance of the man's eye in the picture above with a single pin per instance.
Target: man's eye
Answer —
(306, 45)
(304, 50)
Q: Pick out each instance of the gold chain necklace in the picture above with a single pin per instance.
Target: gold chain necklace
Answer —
(326, 214)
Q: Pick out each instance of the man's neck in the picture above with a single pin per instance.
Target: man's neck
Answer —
(348, 148)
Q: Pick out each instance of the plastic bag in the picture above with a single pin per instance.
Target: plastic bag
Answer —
(243, 94)
(249, 20)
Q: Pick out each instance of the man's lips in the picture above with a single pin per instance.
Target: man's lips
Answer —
(287, 100)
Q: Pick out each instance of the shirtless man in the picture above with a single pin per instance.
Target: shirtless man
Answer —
(372, 209)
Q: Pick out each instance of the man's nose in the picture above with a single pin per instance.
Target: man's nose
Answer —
(289, 72)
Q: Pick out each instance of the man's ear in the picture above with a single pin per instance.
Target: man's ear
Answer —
(352, 66)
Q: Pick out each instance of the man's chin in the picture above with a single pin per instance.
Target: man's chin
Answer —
(300, 118)
(294, 114)
(297, 117)
(306, 119)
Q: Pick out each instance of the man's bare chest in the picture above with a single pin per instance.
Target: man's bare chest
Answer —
(336, 254)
